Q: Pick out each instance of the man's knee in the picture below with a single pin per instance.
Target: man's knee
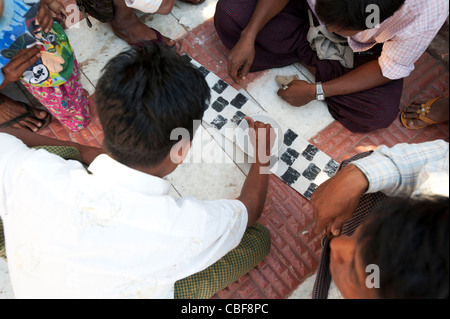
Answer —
(366, 115)
(261, 237)
(166, 7)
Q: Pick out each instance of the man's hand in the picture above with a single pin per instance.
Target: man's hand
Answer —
(58, 8)
(44, 17)
(241, 58)
(21, 62)
(262, 136)
(335, 201)
(254, 190)
(298, 93)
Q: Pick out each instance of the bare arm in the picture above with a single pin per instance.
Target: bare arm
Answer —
(21, 62)
(88, 153)
(242, 55)
(364, 77)
(336, 199)
(264, 12)
(254, 190)
(166, 7)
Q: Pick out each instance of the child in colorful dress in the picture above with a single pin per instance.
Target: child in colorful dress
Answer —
(54, 78)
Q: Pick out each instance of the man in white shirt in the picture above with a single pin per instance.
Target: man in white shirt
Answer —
(113, 231)
(128, 27)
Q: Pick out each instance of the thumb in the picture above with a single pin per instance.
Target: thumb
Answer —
(245, 69)
(336, 226)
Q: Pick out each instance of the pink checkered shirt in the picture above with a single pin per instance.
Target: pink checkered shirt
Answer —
(406, 35)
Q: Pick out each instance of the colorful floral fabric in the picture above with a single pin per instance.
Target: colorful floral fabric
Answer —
(68, 102)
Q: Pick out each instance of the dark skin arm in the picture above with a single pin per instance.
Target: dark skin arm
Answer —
(26, 58)
(21, 62)
(254, 191)
(335, 200)
(242, 55)
(88, 153)
(364, 77)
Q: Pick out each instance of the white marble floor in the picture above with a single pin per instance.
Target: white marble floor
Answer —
(201, 176)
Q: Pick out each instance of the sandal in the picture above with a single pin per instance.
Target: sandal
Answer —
(423, 112)
(29, 113)
(159, 39)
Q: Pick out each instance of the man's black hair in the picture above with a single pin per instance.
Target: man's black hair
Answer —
(142, 96)
(409, 241)
(351, 14)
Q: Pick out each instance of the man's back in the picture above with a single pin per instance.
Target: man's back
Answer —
(112, 232)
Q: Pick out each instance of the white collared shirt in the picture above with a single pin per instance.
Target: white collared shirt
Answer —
(115, 233)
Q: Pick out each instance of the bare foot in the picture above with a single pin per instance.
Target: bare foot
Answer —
(438, 112)
(10, 109)
(194, 2)
(127, 26)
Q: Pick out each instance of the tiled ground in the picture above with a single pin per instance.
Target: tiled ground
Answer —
(295, 248)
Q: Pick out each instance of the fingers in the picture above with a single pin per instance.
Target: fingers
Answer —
(63, 12)
(44, 17)
(234, 71)
(21, 62)
(250, 121)
(245, 69)
(285, 94)
(329, 226)
(336, 226)
(262, 140)
(25, 59)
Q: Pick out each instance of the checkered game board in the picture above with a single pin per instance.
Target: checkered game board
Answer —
(298, 163)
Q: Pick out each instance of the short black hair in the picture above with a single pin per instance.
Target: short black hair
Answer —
(409, 241)
(351, 14)
(144, 94)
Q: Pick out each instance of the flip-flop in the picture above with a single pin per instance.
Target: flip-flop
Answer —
(29, 113)
(426, 109)
(193, 3)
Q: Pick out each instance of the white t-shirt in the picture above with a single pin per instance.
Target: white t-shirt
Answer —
(147, 6)
(115, 233)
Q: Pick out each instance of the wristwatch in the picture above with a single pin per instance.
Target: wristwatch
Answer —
(320, 96)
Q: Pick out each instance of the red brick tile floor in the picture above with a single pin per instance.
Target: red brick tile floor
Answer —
(296, 249)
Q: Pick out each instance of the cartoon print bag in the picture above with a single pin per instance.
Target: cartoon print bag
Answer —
(18, 31)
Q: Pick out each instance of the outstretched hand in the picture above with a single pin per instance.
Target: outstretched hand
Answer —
(335, 201)
(44, 17)
(22, 61)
